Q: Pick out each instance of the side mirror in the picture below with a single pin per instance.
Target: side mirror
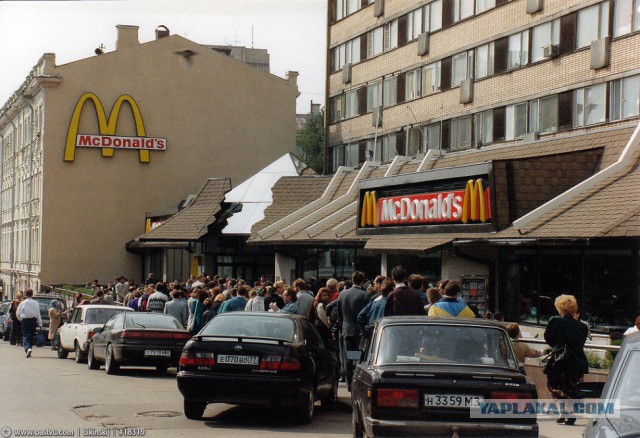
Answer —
(354, 355)
(590, 389)
(97, 330)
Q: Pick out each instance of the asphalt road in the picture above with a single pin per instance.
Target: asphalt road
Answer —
(48, 395)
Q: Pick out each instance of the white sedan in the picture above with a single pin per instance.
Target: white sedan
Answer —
(75, 334)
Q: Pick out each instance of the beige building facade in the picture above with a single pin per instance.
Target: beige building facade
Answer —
(90, 146)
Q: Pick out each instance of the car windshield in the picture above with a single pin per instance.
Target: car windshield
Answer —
(444, 344)
(100, 316)
(153, 321)
(250, 326)
(627, 388)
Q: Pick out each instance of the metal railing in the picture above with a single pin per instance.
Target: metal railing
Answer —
(586, 346)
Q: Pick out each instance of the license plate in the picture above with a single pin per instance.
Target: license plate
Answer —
(451, 400)
(233, 359)
(157, 353)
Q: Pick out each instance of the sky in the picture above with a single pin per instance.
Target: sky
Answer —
(292, 31)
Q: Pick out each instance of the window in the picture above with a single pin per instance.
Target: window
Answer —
(589, 105)
(388, 152)
(626, 17)
(414, 24)
(412, 84)
(374, 96)
(433, 136)
(461, 67)
(462, 9)
(337, 108)
(516, 121)
(346, 53)
(543, 114)
(390, 35)
(390, 91)
(338, 157)
(351, 104)
(484, 60)
(461, 132)
(431, 78)
(483, 127)
(625, 98)
(484, 5)
(372, 149)
(432, 16)
(542, 36)
(593, 24)
(351, 154)
(518, 50)
(375, 42)
(346, 7)
(414, 141)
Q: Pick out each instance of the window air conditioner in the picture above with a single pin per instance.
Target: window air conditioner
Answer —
(551, 51)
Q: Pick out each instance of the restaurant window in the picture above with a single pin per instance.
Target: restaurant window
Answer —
(483, 127)
(390, 35)
(431, 78)
(375, 42)
(484, 5)
(432, 16)
(543, 114)
(462, 9)
(544, 35)
(461, 67)
(461, 132)
(518, 50)
(593, 24)
(351, 154)
(414, 24)
(412, 84)
(338, 156)
(589, 105)
(484, 60)
(390, 91)
(625, 98)
(374, 95)
(516, 121)
(433, 140)
(626, 17)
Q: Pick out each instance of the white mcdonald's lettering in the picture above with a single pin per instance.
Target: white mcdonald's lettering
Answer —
(422, 208)
(109, 141)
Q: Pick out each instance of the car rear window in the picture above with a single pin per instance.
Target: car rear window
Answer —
(251, 326)
(150, 320)
(100, 316)
(442, 344)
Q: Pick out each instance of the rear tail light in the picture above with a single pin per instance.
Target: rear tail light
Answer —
(90, 334)
(507, 395)
(279, 363)
(398, 398)
(195, 359)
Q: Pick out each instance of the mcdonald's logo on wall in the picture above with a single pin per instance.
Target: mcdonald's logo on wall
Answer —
(107, 140)
(471, 205)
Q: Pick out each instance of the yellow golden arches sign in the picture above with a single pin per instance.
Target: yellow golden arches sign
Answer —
(475, 207)
(369, 212)
(107, 140)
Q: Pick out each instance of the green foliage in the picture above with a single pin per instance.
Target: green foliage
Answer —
(75, 289)
(597, 362)
(310, 142)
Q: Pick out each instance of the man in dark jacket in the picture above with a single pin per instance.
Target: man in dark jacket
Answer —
(403, 300)
(350, 303)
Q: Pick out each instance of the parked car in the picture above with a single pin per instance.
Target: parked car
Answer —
(76, 333)
(5, 329)
(44, 300)
(623, 386)
(419, 376)
(257, 358)
(135, 338)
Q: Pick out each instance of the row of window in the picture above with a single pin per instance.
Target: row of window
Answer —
(512, 52)
(588, 106)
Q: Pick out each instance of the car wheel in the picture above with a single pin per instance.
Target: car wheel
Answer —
(194, 410)
(110, 364)
(62, 353)
(80, 356)
(330, 400)
(92, 362)
(307, 409)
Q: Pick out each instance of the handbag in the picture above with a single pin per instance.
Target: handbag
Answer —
(556, 359)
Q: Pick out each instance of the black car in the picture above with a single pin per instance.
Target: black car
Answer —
(623, 386)
(133, 338)
(257, 358)
(420, 376)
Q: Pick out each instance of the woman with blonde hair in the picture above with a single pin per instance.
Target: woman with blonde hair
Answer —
(566, 333)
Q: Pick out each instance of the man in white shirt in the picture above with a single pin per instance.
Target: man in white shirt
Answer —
(635, 328)
(29, 313)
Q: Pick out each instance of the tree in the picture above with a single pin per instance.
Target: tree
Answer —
(310, 141)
